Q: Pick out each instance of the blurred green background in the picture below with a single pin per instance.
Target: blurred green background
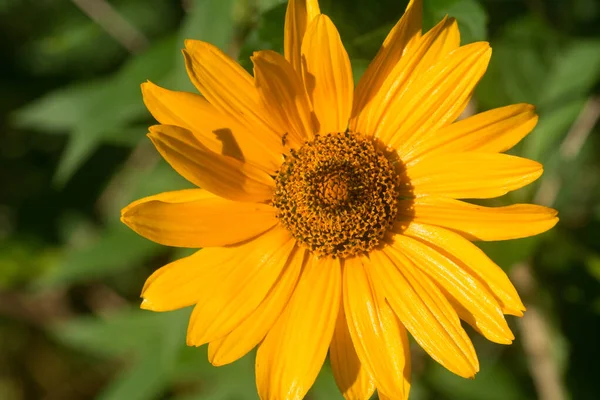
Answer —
(73, 152)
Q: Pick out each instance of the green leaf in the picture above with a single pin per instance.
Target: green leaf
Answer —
(267, 34)
(520, 64)
(471, 17)
(575, 71)
(265, 5)
(126, 137)
(553, 124)
(211, 21)
(58, 111)
(359, 66)
(90, 111)
(151, 342)
(507, 253)
(494, 382)
(146, 379)
(325, 386)
(127, 331)
(232, 381)
(115, 248)
(76, 45)
(23, 260)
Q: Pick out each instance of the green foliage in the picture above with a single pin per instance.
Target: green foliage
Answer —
(91, 110)
(471, 17)
(75, 153)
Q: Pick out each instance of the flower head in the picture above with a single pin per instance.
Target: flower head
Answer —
(329, 216)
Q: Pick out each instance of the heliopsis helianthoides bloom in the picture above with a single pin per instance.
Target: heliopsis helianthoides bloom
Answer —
(329, 216)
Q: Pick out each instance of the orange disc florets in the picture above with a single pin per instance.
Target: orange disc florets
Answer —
(337, 194)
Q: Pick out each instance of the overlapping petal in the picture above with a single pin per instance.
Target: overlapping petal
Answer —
(291, 355)
(246, 335)
(220, 271)
(196, 218)
(233, 290)
(352, 378)
(470, 175)
(298, 16)
(473, 302)
(283, 94)
(327, 75)
(420, 56)
(230, 89)
(424, 311)
(224, 176)
(380, 341)
(471, 259)
(218, 132)
(477, 222)
(493, 131)
(398, 42)
(433, 99)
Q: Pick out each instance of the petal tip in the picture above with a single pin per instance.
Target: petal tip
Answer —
(123, 217)
(189, 43)
(146, 304)
(190, 340)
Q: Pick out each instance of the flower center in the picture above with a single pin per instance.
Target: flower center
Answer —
(337, 194)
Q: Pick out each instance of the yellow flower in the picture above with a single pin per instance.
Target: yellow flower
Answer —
(328, 214)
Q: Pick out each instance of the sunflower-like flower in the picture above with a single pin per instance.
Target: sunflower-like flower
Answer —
(329, 216)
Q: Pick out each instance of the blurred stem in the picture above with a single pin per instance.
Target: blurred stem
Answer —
(537, 342)
(569, 149)
(102, 13)
(536, 339)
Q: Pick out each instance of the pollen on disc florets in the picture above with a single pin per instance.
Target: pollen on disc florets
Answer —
(337, 194)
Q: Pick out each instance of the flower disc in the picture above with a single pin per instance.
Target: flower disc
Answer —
(337, 194)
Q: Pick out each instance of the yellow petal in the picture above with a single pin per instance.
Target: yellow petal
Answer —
(230, 89)
(327, 75)
(472, 260)
(283, 94)
(402, 36)
(187, 110)
(433, 99)
(191, 279)
(289, 359)
(175, 285)
(298, 16)
(233, 290)
(215, 130)
(351, 377)
(419, 57)
(478, 222)
(441, 40)
(470, 298)
(224, 176)
(493, 131)
(382, 396)
(245, 336)
(380, 342)
(470, 175)
(197, 218)
(425, 312)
